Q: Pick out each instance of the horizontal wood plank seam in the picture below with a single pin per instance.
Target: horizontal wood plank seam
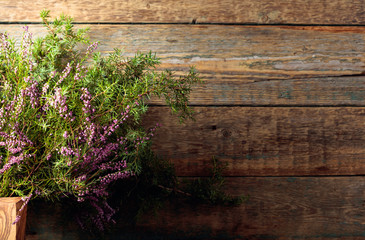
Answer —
(195, 23)
(316, 77)
(268, 106)
(279, 176)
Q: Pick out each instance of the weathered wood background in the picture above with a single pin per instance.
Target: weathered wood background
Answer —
(283, 104)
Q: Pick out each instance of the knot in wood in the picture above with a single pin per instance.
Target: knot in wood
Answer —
(226, 133)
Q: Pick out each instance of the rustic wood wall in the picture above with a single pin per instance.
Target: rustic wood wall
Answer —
(283, 104)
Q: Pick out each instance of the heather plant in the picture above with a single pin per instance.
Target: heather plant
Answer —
(70, 119)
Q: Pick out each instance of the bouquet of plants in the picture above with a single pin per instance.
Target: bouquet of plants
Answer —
(70, 118)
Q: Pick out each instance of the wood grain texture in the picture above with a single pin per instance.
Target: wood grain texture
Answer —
(329, 91)
(261, 141)
(236, 53)
(344, 12)
(278, 208)
(249, 67)
(244, 52)
(272, 107)
(52, 221)
(316, 208)
(8, 210)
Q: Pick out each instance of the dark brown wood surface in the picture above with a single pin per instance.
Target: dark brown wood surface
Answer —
(261, 141)
(328, 91)
(278, 208)
(256, 65)
(344, 12)
(281, 208)
(283, 104)
(244, 52)
(236, 53)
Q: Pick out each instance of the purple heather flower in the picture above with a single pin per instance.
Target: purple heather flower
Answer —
(25, 203)
(17, 219)
(65, 73)
(66, 151)
(65, 134)
(58, 101)
(37, 192)
(32, 91)
(53, 74)
(91, 48)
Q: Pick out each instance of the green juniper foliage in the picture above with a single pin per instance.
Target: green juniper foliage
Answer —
(70, 119)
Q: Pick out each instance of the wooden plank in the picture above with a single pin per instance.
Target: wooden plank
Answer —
(244, 70)
(9, 208)
(52, 220)
(247, 68)
(259, 141)
(316, 208)
(278, 208)
(244, 52)
(223, 53)
(330, 91)
(344, 12)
